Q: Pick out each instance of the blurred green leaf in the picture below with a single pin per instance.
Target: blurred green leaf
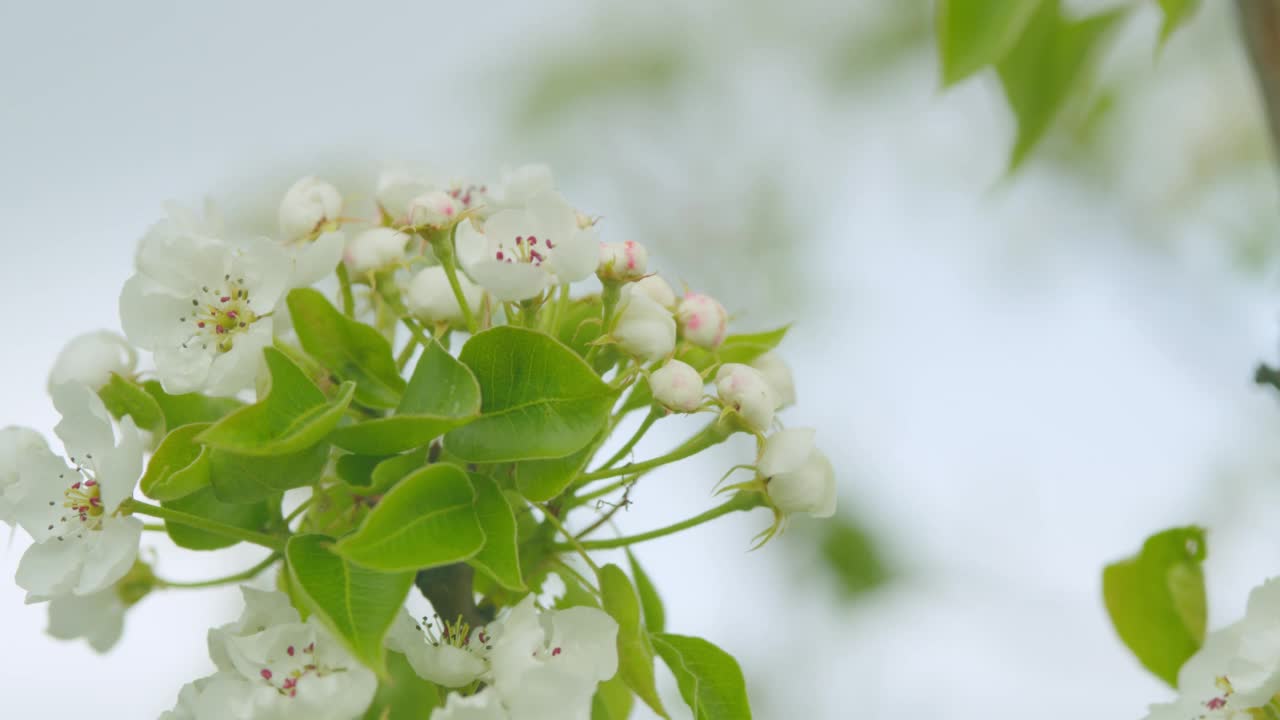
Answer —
(850, 553)
(1157, 601)
(710, 679)
(1176, 12)
(973, 34)
(613, 700)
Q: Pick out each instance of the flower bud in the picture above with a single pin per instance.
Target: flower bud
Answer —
(798, 477)
(778, 374)
(644, 327)
(307, 205)
(658, 289)
(677, 386)
(375, 249)
(744, 389)
(436, 208)
(89, 359)
(430, 297)
(622, 261)
(703, 320)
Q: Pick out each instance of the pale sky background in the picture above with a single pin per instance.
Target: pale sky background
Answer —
(1015, 387)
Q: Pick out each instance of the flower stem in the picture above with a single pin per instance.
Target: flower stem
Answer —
(407, 352)
(138, 507)
(714, 434)
(249, 574)
(573, 543)
(609, 298)
(443, 244)
(740, 502)
(649, 420)
(348, 299)
(611, 487)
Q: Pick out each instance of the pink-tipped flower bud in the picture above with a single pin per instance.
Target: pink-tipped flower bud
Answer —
(645, 328)
(435, 208)
(621, 262)
(778, 374)
(677, 386)
(703, 320)
(744, 390)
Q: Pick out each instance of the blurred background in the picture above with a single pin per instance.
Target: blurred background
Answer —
(1018, 376)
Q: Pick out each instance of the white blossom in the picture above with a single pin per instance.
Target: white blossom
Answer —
(522, 251)
(677, 386)
(521, 184)
(397, 190)
(91, 358)
(703, 320)
(644, 328)
(430, 297)
(97, 618)
(308, 204)
(484, 705)
(453, 659)
(798, 476)
(744, 389)
(627, 260)
(376, 249)
(16, 443)
(203, 306)
(658, 289)
(435, 208)
(81, 545)
(778, 374)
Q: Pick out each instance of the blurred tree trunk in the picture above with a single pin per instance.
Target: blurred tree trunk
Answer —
(1260, 24)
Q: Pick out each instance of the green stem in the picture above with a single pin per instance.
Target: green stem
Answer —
(609, 298)
(649, 420)
(407, 353)
(348, 299)
(153, 527)
(414, 329)
(443, 245)
(740, 502)
(611, 487)
(573, 543)
(299, 510)
(200, 523)
(714, 434)
(249, 574)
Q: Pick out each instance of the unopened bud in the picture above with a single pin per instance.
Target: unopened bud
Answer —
(644, 328)
(430, 297)
(703, 320)
(308, 204)
(743, 389)
(798, 476)
(436, 208)
(677, 386)
(622, 261)
(778, 374)
(375, 249)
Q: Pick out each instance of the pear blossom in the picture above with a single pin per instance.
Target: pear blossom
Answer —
(745, 390)
(91, 358)
(430, 297)
(484, 705)
(658, 289)
(262, 609)
(1236, 670)
(307, 206)
(203, 306)
(520, 185)
(398, 190)
(81, 545)
(677, 386)
(97, 618)
(798, 476)
(644, 328)
(519, 252)
(435, 208)
(376, 249)
(703, 320)
(623, 261)
(15, 443)
(778, 374)
(454, 658)
(221, 696)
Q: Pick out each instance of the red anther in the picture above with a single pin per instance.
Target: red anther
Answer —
(1216, 703)
(76, 486)
(550, 246)
(519, 239)
(231, 314)
(500, 255)
(225, 298)
(290, 651)
(266, 674)
(200, 324)
(533, 240)
(221, 330)
(555, 652)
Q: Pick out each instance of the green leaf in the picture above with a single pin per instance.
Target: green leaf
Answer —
(850, 553)
(580, 324)
(1176, 12)
(635, 654)
(205, 504)
(1044, 68)
(540, 400)
(543, 480)
(500, 555)
(1157, 601)
(249, 478)
(735, 349)
(402, 695)
(655, 615)
(394, 469)
(973, 34)
(709, 678)
(294, 415)
(124, 397)
(613, 700)
(357, 470)
(179, 467)
(182, 410)
(426, 520)
(441, 395)
(352, 350)
(359, 605)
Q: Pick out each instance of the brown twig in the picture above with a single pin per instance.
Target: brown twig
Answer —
(1260, 25)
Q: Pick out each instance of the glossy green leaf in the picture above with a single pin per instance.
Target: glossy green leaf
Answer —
(293, 416)
(540, 400)
(973, 34)
(402, 695)
(735, 349)
(394, 469)
(1157, 601)
(205, 504)
(1046, 66)
(635, 654)
(351, 349)
(1176, 12)
(580, 324)
(441, 395)
(190, 408)
(710, 679)
(655, 615)
(613, 700)
(428, 519)
(543, 480)
(358, 604)
(500, 555)
(249, 478)
(179, 467)
(357, 470)
(124, 397)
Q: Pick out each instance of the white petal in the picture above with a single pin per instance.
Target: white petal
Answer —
(485, 705)
(510, 282)
(588, 640)
(111, 553)
(37, 497)
(85, 427)
(98, 618)
(184, 369)
(577, 256)
(119, 468)
(16, 444)
(149, 313)
(235, 370)
(445, 665)
(471, 245)
(786, 450)
(51, 568)
(265, 267)
(91, 358)
(317, 260)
